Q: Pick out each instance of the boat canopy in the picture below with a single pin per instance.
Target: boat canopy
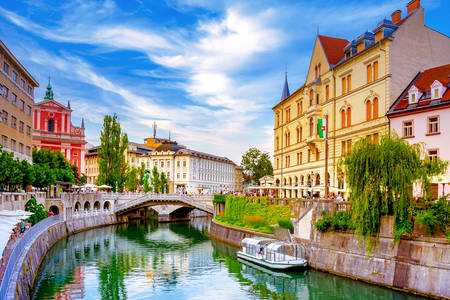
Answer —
(256, 241)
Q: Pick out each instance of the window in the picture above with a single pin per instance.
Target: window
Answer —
(309, 155)
(433, 154)
(433, 125)
(22, 83)
(6, 68)
(278, 163)
(5, 117)
(407, 129)
(5, 141)
(22, 105)
(369, 73)
(349, 116)
(311, 98)
(14, 76)
(368, 110)
(168, 163)
(178, 164)
(184, 175)
(51, 125)
(299, 108)
(13, 122)
(13, 145)
(5, 92)
(317, 155)
(288, 158)
(343, 118)
(161, 163)
(14, 99)
(375, 108)
(28, 151)
(184, 164)
(278, 119)
(349, 83)
(30, 90)
(375, 138)
(413, 98)
(277, 143)
(327, 92)
(298, 158)
(343, 85)
(298, 134)
(21, 148)
(311, 126)
(21, 126)
(375, 70)
(29, 110)
(288, 115)
(178, 175)
(436, 93)
(349, 145)
(343, 143)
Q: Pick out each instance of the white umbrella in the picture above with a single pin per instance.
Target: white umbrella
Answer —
(74, 186)
(89, 186)
(104, 186)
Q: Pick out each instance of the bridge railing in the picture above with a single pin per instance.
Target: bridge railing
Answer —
(24, 242)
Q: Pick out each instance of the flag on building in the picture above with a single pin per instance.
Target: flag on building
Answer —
(322, 127)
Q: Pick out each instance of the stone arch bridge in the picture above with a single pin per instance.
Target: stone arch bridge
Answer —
(180, 204)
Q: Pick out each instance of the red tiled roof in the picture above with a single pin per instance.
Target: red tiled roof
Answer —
(333, 47)
(424, 82)
(446, 96)
(429, 76)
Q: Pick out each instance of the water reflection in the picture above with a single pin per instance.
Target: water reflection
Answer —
(175, 261)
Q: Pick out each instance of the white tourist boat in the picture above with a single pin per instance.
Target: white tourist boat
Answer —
(273, 254)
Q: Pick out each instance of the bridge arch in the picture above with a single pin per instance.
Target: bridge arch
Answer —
(77, 206)
(97, 205)
(106, 205)
(87, 206)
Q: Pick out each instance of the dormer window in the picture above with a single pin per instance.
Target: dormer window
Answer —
(413, 95)
(436, 90)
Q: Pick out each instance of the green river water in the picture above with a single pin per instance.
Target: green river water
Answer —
(176, 261)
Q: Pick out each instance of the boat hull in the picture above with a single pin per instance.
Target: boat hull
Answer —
(276, 265)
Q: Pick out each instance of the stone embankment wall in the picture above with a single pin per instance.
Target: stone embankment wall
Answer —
(233, 235)
(27, 266)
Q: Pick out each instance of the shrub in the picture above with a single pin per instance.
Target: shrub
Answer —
(324, 223)
(255, 221)
(436, 214)
(342, 221)
(38, 209)
(286, 223)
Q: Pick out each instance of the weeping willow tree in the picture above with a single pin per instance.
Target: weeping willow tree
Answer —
(380, 178)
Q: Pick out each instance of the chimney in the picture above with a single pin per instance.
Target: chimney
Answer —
(396, 16)
(412, 5)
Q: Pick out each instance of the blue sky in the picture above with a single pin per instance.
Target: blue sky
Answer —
(210, 71)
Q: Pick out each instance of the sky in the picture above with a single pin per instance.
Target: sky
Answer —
(209, 71)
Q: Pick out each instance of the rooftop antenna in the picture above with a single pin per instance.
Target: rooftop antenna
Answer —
(154, 129)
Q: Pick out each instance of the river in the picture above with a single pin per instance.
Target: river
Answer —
(176, 261)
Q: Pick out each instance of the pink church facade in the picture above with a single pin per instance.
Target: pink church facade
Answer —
(422, 115)
(53, 129)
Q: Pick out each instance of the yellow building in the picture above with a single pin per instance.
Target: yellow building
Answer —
(351, 85)
(16, 105)
(238, 179)
(91, 165)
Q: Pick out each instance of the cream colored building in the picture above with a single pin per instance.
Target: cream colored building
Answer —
(352, 84)
(16, 105)
(91, 165)
(238, 179)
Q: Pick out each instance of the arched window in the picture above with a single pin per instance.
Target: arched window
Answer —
(375, 108)
(368, 110)
(318, 179)
(349, 116)
(51, 125)
(343, 118)
(311, 126)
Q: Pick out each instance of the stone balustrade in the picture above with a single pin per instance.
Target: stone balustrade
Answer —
(17, 201)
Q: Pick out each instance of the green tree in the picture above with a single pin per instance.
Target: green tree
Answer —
(147, 186)
(256, 163)
(156, 182)
(28, 174)
(83, 179)
(164, 183)
(141, 173)
(38, 210)
(380, 178)
(111, 154)
(44, 176)
(133, 180)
